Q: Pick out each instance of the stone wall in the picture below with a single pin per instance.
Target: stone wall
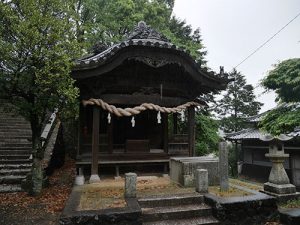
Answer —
(182, 169)
(253, 209)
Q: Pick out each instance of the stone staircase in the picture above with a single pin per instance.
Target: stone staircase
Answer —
(14, 151)
(180, 210)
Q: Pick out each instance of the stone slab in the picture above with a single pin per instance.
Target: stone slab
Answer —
(279, 188)
(290, 216)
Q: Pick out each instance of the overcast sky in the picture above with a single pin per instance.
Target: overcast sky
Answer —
(232, 29)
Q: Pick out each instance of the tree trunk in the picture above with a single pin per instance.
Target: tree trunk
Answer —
(37, 157)
(37, 176)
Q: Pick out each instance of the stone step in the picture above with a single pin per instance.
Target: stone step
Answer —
(14, 161)
(14, 171)
(175, 212)
(15, 136)
(11, 179)
(15, 133)
(13, 121)
(14, 127)
(13, 148)
(10, 118)
(10, 188)
(15, 145)
(14, 140)
(190, 221)
(16, 166)
(15, 157)
(15, 152)
(180, 199)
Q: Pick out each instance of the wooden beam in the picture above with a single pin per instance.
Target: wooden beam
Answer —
(165, 131)
(191, 130)
(95, 145)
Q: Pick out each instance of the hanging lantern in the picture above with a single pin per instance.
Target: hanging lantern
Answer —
(132, 122)
(109, 118)
(158, 117)
(182, 116)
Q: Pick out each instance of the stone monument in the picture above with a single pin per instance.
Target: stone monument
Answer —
(130, 185)
(279, 183)
(223, 166)
(201, 180)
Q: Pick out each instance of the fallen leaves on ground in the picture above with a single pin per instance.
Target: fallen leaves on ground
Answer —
(48, 204)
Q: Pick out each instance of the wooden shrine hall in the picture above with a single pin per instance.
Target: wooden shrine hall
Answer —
(133, 96)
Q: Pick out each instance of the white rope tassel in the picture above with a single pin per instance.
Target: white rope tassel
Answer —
(158, 117)
(132, 122)
(109, 118)
(182, 115)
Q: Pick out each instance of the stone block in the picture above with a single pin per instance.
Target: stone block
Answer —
(201, 180)
(130, 185)
(182, 169)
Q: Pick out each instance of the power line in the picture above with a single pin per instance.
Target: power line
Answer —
(262, 45)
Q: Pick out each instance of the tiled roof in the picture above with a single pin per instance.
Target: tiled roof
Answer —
(253, 133)
(245, 134)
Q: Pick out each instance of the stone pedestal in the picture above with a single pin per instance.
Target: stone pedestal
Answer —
(201, 180)
(94, 178)
(130, 185)
(79, 179)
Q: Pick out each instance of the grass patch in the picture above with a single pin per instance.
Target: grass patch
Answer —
(232, 192)
(291, 204)
(246, 184)
(109, 193)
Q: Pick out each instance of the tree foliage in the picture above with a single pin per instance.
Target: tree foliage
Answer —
(284, 79)
(109, 21)
(207, 137)
(37, 41)
(238, 103)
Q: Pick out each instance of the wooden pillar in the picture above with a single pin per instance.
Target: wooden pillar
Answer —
(165, 131)
(110, 135)
(79, 130)
(95, 145)
(191, 130)
(175, 123)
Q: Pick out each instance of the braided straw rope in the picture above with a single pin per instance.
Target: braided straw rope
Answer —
(138, 109)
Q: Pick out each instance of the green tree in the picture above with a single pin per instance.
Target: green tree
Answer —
(237, 103)
(109, 21)
(207, 137)
(37, 41)
(284, 79)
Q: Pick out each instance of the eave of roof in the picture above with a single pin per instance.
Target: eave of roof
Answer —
(147, 37)
(252, 133)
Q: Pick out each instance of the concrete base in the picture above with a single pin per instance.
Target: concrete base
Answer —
(182, 169)
(79, 180)
(279, 188)
(94, 178)
(282, 198)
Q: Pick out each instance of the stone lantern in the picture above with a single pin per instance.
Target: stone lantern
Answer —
(278, 183)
